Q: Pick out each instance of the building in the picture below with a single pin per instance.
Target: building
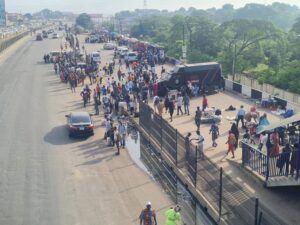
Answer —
(2, 13)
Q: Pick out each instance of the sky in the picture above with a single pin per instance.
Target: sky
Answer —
(112, 6)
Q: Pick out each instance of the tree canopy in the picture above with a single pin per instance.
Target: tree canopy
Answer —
(255, 47)
(85, 21)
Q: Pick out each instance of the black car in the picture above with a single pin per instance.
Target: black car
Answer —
(39, 37)
(80, 124)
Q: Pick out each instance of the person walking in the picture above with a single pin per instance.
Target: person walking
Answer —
(117, 140)
(173, 215)
(240, 116)
(96, 102)
(204, 103)
(148, 216)
(231, 141)
(167, 102)
(156, 103)
(186, 103)
(200, 144)
(234, 129)
(214, 131)
(171, 109)
(122, 131)
(179, 104)
(198, 115)
(160, 107)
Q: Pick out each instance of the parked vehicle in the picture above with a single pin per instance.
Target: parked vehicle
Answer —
(206, 76)
(45, 35)
(109, 46)
(53, 55)
(80, 124)
(39, 37)
(92, 39)
(55, 36)
(95, 57)
(122, 51)
(131, 56)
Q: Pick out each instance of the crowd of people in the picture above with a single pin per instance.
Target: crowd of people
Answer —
(119, 90)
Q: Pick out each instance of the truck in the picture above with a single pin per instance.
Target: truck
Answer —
(207, 76)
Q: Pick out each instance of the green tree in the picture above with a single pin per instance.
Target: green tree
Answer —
(240, 35)
(85, 21)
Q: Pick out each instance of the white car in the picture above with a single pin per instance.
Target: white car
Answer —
(95, 56)
(109, 46)
(131, 56)
(122, 51)
(55, 36)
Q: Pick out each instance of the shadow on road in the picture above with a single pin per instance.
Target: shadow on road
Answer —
(59, 136)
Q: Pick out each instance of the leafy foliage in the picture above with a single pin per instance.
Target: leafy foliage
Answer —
(243, 40)
(85, 21)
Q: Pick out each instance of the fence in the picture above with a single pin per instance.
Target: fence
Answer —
(252, 87)
(234, 204)
(8, 42)
(281, 165)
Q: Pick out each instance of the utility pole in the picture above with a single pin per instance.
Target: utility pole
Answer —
(184, 48)
(145, 4)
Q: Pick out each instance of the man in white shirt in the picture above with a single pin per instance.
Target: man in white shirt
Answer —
(200, 144)
(240, 116)
(156, 103)
(179, 104)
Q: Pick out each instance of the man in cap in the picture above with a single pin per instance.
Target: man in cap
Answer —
(173, 215)
(147, 216)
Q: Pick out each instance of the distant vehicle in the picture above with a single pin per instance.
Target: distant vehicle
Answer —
(45, 35)
(109, 46)
(80, 124)
(39, 37)
(50, 31)
(95, 56)
(53, 55)
(55, 36)
(207, 76)
(92, 39)
(131, 56)
(122, 51)
(61, 28)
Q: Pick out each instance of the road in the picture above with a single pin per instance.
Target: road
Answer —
(48, 179)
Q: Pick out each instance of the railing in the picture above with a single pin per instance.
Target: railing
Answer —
(284, 164)
(254, 159)
(233, 202)
(4, 44)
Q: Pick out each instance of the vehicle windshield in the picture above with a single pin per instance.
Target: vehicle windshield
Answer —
(80, 119)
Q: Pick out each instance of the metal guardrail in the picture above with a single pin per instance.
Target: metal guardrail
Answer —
(234, 203)
(4, 44)
(286, 164)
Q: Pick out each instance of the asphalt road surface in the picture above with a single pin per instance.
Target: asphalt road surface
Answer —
(46, 178)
